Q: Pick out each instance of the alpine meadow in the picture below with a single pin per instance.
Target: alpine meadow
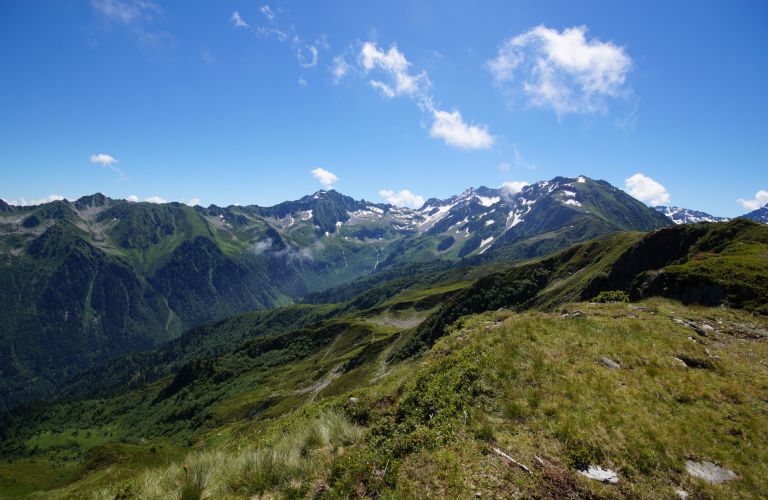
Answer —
(593, 325)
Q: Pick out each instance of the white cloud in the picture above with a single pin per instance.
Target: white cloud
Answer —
(107, 161)
(268, 12)
(340, 68)
(133, 198)
(402, 199)
(520, 161)
(194, 202)
(504, 167)
(325, 177)
(155, 199)
(513, 187)
(303, 61)
(266, 32)
(302, 81)
(448, 126)
(646, 189)
(136, 16)
(26, 203)
(761, 199)
(261, 246)
(454, 131)
(207, 56)
(396, 66)
(563, 70)
(238, 20)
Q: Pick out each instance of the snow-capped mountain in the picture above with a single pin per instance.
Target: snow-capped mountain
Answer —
(687, 216)
(759, 215)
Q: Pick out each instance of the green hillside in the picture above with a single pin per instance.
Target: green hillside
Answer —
(453, 365)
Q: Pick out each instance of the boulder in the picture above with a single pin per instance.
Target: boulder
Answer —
(709, 471)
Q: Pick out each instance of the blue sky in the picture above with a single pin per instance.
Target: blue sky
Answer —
(256, 103)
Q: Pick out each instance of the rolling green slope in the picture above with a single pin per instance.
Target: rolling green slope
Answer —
(505, 361)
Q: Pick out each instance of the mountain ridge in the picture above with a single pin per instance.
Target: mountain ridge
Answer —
(97, 278)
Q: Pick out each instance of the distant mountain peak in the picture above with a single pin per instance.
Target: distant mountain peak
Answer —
(759, 215)
(688, 216)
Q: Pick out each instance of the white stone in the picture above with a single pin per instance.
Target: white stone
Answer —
(600, 474)
(709, 472)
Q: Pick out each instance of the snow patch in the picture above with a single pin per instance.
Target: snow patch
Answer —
(487, 202)
(568, 193)
(489, 222)
(572, 202)
(432, 219)
(582, 179)
(515, 219)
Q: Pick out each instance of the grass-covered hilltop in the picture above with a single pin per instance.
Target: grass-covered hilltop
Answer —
(641, 357)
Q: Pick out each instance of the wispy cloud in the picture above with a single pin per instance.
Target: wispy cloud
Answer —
(396, 66)
(306, 54)
(267, 32)
(325, 177)
(399, 81)
(207, 56)
(302, 81)
(402, 199)
(520, 161)
(761, 199)
(26, 203)
(194, 202)
(137, 16)
(268, 13)
(646, 189)
(107, 161)
(238, 20)
(303, 62)
(563, 71)
(340, 68)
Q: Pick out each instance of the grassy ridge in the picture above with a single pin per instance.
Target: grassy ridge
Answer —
(531, 384)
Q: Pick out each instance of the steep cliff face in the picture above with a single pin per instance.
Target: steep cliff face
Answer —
(705, 263)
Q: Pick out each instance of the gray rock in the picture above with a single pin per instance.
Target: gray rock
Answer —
(681, 361)
(600, 474)
(683, 494)
(353, 400)
(611, 364)
(709, 472)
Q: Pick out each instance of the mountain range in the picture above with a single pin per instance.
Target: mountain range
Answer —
(688, 216)
(91, 279)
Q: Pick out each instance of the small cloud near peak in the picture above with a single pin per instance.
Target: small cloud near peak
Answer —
(761, 199)
(402, 199)
(325, 177)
